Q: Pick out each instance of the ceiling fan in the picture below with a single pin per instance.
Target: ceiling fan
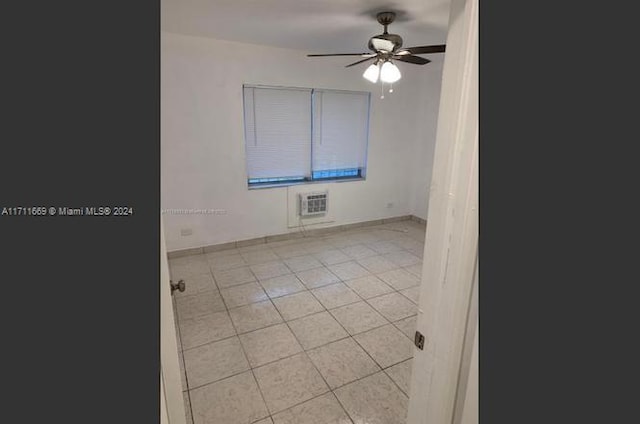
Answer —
(386, 48)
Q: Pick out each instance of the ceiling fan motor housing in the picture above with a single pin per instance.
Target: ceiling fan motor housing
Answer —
(395, 39)
(381, 42)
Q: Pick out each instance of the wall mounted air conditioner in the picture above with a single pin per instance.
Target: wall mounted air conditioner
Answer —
(312, 204)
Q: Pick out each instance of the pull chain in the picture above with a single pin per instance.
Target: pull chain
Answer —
(382, 90)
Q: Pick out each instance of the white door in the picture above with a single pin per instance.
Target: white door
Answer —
(171, 400)
(451, 242)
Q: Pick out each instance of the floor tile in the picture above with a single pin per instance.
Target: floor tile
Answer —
(290, 251)
(317, 329)
(332, 257)
(402, 258)
(187, 408)
(384, 247)
(255, 245)
(243, 294)
(268, 270)
(317, 246)
(358, 251)
(393, 306)
(358, 317)
(317, 277)
(205, 329)
(407, 326)
(199, 304)
(188, 266)
(412, 293)
(335, 295)
(323, 409)
(259, 256)
(214, 361)
(363, 236)
(233, 277)
(221, 253)
(196, 284)
(386, 345)
(282, 286)
(342, 362)
(288, 382)
(297, 305)
(176, 326)
(415, 270)
(401, 374)
(221, 263)
(302, 263)
(377, 264)
(399, 279)
(369, 286)
(267, 420)
(341, 241)
(417, 252)
(235, 400)
(348, 270)
(183, 373)
(254, 316)
(374, 400)
(269, 344)
(409, 243)
(188, 260)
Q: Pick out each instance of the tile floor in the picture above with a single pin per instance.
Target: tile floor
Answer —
(313, 330)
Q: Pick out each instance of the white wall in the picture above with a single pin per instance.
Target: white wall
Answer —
(424, 144)
(202, 146)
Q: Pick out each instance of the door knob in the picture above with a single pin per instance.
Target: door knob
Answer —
(180, 285)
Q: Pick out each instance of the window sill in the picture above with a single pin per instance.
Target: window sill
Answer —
(287, 184)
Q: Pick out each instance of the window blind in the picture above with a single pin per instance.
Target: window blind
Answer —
(340, 130)
(277, 132)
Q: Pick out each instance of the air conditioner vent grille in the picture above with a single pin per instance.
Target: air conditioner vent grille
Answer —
(313, 204)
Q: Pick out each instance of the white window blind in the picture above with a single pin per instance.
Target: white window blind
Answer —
(340, 130)
(277, 132)
(296, 134)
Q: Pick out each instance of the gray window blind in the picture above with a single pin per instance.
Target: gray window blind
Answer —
(340, 129)
(277, 132)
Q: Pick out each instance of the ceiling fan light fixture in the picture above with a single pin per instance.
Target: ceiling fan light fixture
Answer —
(389, 73)
(372, 73)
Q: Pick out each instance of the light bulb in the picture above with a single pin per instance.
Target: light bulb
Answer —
(389, 72)
(372, 73)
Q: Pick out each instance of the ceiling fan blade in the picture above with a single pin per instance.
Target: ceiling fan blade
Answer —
(360, 61)
(342, 54)
(440, 48)
(412, 59)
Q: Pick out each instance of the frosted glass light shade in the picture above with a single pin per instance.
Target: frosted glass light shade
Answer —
(389, 73)
(372, 73)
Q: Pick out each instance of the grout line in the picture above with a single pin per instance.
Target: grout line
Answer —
(342, 406)
(394, 381)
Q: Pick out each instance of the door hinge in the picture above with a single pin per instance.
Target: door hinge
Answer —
(418, 340)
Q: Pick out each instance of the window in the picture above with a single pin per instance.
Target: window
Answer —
(297, 135)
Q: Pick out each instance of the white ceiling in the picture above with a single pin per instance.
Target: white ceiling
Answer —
(315, 26)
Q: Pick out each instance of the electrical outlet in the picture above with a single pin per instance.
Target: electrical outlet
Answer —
(186, 232)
